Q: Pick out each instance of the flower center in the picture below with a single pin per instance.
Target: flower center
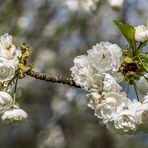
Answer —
(125, 118)
(131, 69)
(8, 47)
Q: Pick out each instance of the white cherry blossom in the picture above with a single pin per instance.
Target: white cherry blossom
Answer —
(117, 76)
(105, 57)
(11, 54)
(7, 70)
(96, 83)
(14, 115)
(6, 40)
(110, 104)
(98, 73)
(110, 85)
(5, 101)
(94, 99)
(143, 110)
(82, 72)
(7, 49)
(126, 121)
(85, 76)
(145, 99)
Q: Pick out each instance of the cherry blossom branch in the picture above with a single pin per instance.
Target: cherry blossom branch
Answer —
(51, 78)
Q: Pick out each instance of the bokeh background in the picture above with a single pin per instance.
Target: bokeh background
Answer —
(57, 31)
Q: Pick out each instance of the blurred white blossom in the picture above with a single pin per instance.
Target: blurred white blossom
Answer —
(116, 4)
(55, 138)
(85, 5)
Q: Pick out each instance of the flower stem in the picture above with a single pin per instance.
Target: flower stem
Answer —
(146, 78)
(15, 76)
(127, 91)
(14, 92)
(136, 90)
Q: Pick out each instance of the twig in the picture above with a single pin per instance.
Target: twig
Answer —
(51, 78)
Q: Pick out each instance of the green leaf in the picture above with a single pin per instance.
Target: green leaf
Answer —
(144, 60)
(128, 32)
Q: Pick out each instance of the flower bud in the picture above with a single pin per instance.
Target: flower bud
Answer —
(142, 85)
(141, 33)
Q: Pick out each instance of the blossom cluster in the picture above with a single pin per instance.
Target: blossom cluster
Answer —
(101, 73)
(9, 61)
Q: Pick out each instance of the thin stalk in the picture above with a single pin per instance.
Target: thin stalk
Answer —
(15, 76)
(136, 90)
(127, 91)
(140, 48)
(146, 78)
(132, 51)
(14, 92)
